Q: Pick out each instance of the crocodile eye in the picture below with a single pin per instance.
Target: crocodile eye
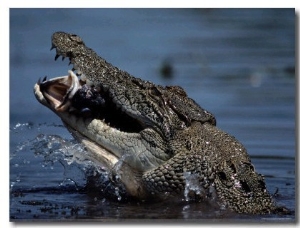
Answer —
(262, 184)
(76, 38)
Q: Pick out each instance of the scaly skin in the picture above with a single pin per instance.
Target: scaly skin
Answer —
(158, 141)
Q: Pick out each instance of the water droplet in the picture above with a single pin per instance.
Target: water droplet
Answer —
(117, 192)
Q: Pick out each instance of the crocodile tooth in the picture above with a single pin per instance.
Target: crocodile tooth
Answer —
(40, 81)
(56, 57)
(52, 47)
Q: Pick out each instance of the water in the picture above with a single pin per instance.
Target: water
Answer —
(237, 63)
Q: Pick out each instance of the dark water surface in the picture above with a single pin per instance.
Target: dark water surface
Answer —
(238, 64)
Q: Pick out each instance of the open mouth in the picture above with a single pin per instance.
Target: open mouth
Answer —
(90, 114)
(72, 94)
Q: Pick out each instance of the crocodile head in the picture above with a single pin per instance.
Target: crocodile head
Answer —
(150, 137)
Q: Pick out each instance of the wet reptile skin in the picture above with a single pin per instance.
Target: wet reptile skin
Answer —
(176, 139)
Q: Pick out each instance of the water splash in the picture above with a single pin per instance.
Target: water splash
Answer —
(193, 188)
(116, 174)
(21, 126)
(118, 194)
(51, 151)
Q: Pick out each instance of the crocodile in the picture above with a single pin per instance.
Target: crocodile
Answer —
(154, 139)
